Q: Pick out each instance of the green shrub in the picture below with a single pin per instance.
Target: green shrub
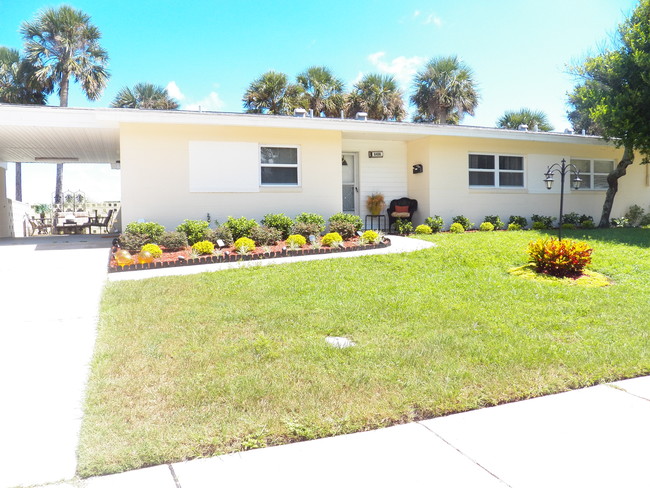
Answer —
(333, 239)
(307, 229)
(221, 232)
(240, 227)
(296, 240)
(645, 220)
(150, 229)
(369, 237)
(486, 226)
(244, 245)
(203, 247)
(153, 249)
(539, 226)
(634, 215)
(133, 242)
(435, 223)
(311, 218)
(619, 222)
(571, 218)
(587, 224)
(566, 258)
(343, 217)
(514, 226)
(519, 220)
(568, 225)
(423, 229)
(195, 230)
(403, 227)
(280, 222)
(464, 221)
(347, 230)
(457, 228)
(266, 236)
(496, 222)
(547, 222)
(173, 241)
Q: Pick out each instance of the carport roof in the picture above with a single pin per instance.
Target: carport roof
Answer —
(30, 133)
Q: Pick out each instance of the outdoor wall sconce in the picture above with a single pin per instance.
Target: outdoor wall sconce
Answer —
(562, 168)
(418, 168)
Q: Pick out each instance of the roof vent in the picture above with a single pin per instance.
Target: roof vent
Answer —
(523, 127)
(568, 131)
(584, 132)
(536, 128)
(311, 112)
(361, 116)
(300, 112)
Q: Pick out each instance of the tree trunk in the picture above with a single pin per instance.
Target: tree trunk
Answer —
(612, 181)
(63, 102)
(19, 182)
(58, 192)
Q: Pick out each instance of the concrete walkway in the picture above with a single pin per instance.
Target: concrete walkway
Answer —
(50, 289)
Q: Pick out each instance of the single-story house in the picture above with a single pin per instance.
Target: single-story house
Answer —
(178, 165)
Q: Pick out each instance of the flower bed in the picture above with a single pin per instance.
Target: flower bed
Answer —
(229, 255)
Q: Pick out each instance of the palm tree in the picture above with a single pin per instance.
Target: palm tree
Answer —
(18, 85)
(323, 92)
(444, 91)
(144, 96)
(272, 94)
(378, 96)
(532, 118)
(61, 43)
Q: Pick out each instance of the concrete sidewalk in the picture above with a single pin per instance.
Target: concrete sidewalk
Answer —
(594, 437)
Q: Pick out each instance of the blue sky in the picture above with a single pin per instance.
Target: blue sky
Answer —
(207, 52)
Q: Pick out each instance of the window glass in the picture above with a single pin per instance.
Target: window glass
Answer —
(583, 165)
(511, 179)
(600, 181)
(481, 161)
(279, 176)
(511, 162)
(603, 166)
(279, 155)
(481, 178)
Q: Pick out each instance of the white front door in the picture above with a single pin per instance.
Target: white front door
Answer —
(350, 185)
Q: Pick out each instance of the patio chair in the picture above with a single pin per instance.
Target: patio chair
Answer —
(105, 222)
(402, 208)
(39, 226)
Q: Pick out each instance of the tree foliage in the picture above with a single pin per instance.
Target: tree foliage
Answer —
(144, 96)
(272, 94)
(613, 93)
(17, 81)
(444, 91)
(532, 118)
(322, 91)
(377, 95)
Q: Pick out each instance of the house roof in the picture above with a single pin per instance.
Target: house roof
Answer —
(30, 133)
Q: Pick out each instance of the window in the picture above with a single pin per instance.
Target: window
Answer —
(279, 165)
(593, 173)
(496, 170)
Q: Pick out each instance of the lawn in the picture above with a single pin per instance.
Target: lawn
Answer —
(212, 363)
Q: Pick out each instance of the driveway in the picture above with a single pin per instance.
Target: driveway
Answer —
(50, 289)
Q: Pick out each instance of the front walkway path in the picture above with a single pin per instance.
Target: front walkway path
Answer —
(50, 289)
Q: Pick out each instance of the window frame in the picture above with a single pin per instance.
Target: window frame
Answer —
(496, 171)
(296, 166)
(592, 174)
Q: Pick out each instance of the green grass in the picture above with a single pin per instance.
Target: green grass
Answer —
(213, 363)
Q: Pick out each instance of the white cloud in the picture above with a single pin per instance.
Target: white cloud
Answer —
(210, 103)
(433, 19)
(401, 67)
(174, 91)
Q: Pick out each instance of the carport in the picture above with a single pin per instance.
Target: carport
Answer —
(38, 134)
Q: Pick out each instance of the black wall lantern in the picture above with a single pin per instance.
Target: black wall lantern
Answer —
(417, 168)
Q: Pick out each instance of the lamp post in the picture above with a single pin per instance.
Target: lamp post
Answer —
(562, 168)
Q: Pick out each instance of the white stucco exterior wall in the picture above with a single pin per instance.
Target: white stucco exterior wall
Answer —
(155, 174)
(5, 231)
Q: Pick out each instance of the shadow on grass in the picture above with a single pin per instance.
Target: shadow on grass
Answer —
(628, 236)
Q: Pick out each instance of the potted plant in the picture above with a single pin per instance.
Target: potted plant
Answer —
(375, 203)
(41, 209)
